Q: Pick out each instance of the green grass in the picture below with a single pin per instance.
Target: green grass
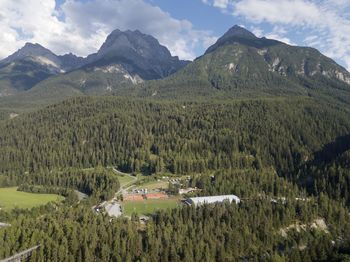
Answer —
(147, 207)
(154, 184)
(123, 180)
(11, 198)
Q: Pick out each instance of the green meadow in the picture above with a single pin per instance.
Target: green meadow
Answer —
(147, 207)
(11, 198)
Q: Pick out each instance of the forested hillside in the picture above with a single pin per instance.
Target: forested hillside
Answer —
(330, 174)
(286, 135)
(253, 117)
(177, 137)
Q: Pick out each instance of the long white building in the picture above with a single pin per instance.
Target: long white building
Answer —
(212, 199)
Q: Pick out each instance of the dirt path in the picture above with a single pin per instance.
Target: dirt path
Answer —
(127, 186)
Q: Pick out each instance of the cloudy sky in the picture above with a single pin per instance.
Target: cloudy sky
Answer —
(186, 27)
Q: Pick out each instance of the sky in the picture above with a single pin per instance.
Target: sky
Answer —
(186, 27)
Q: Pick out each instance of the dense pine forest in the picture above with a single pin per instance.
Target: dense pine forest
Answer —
(120, 140)
(259, 229)
(177, 137)
(97, 183)
(276, 154)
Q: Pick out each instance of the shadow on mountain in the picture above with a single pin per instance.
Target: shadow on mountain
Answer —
(332, 150)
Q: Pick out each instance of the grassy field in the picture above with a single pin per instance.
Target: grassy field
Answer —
(154, 184)
(123, 180)
(146, 207)
(11, 198)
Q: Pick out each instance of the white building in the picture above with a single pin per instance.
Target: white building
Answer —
(212, 199)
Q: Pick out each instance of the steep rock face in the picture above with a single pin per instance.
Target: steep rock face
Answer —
(138, 53)
(70, 62)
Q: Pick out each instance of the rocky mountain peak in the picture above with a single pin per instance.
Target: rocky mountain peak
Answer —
(240, 35)
(137, 53)
(238, 31)
(119, 42)
(31, 50)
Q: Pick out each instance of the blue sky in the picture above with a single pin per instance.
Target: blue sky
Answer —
(186, 27)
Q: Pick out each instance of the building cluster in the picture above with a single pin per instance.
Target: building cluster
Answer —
(140, 191)
(197, 201)
(188, 190)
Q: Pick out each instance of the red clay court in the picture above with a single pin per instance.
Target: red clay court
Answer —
(133, 197)
(156, 196)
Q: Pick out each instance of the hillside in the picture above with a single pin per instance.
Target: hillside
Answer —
(180, 137)
(250, 147)
(241, 65)
(328, 170)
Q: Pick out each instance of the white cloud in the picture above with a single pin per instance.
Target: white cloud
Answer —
(86, 25)
(324, 19)
(291, 12)
(279, 33)
(221, 3)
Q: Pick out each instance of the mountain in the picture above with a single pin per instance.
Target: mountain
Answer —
(30, 65)
(33, 51)
(240, 64)
(238, 34)
(137, 53)
(125, 59)
(43, 56)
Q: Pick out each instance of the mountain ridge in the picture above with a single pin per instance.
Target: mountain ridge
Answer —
(239, 65)
(30, 50)
(125, 58)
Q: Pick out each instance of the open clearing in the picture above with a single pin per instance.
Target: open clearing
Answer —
(146, 207)
(150, 185)
(125, 180)
(11, 198)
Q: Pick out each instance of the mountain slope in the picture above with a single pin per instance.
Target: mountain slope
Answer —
(34, 76)
(240, 64)
(30, 65)
(125, 59)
